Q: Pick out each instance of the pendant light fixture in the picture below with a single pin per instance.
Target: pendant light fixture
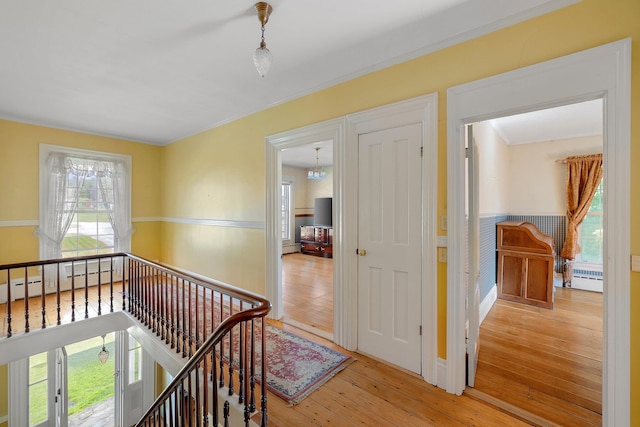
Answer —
(103, 355)
(262, 56)
(316, 173)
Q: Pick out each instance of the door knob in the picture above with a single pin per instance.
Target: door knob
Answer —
(362, 252)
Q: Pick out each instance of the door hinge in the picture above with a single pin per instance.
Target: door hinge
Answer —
(421, 151)
(466, 152)
(420, 330)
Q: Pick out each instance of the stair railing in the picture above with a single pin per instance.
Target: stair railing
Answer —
(217, 326)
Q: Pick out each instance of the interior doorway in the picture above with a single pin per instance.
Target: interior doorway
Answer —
(549, 359)
(601, 72)
(308, 237)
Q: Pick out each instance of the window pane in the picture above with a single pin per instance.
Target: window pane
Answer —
(135, 360)
(591, 239)
(38, 408)
(591, 231)
(90, 232)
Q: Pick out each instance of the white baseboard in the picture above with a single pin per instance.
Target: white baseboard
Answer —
(441, 373)
(487, 303)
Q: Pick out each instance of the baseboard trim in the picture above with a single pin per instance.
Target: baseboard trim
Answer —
(487, 303)
(441, 373)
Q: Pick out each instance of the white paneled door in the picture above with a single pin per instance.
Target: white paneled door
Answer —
(390, 245)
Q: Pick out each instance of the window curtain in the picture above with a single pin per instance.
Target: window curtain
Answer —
(583, 177)
(113, 184)
(64, 181)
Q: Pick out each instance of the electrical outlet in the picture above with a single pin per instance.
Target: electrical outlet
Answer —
(635, 262)
(443, 222)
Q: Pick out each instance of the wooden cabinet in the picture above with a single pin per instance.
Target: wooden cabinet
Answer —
(316, 240)
(525, 264)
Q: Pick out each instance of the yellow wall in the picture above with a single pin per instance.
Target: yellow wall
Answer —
(19, 163)
(228, 179)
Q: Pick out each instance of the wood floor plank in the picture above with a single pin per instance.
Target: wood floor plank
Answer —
(547, 362)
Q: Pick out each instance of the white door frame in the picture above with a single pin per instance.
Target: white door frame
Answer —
(274, 144)
(423, 110)
(601, 72)
(344, 133)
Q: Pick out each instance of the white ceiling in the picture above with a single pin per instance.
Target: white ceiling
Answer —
(553, 124)
(157, 71)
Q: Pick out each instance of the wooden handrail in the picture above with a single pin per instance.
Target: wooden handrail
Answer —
(193, 316)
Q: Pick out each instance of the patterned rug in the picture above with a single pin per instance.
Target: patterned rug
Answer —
(296, 366)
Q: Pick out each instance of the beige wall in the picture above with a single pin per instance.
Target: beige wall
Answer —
(537, 183)
(525, 179)
(493, 159)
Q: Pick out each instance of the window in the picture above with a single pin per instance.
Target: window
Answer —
(135, 360)
(286, 211)
(38, 389)
(84, 202)
(90, 231)
(590, 232)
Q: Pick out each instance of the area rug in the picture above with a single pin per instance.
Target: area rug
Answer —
(296, 366)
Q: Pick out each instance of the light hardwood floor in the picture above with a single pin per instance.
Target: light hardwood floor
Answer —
(371, 393)
(542, 364)
(307, 291)
(547, 362)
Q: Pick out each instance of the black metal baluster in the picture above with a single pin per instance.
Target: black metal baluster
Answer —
(59, 320)
(197, 310)
(86, 288)
(183, 326)
(226, 413)
(9, 303)
(111, 284)
(26, 299)
(231, 387)
(190, 320)
(99, 286)
(252, 366)
(263, 374)
(43, 301)
(73, 291)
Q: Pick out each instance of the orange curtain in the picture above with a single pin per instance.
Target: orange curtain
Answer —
(583, 177)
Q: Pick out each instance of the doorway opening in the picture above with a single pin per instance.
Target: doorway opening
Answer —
(308, 237)
(599, 73)
(547, 355)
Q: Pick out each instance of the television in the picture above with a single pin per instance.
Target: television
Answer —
(323, 211)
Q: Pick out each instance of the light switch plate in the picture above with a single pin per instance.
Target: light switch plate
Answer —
(635, 262)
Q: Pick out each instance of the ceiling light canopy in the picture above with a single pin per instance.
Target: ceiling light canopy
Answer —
(262, 56)
(316, 173)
